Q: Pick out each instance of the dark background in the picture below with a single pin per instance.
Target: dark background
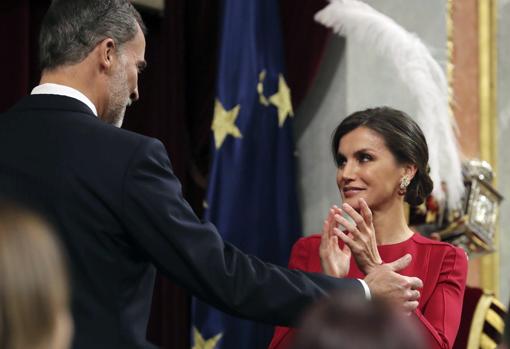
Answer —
(176, 98)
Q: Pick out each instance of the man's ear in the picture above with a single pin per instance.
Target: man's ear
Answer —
(106, 52)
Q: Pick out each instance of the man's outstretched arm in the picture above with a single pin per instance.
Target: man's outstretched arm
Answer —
(194, 255)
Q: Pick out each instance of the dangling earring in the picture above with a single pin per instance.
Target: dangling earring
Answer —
(404, 182)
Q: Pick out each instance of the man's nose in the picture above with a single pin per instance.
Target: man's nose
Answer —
(134, 96)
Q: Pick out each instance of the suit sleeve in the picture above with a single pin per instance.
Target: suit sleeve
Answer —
(441, 317)
(299, 258)
(193, 254)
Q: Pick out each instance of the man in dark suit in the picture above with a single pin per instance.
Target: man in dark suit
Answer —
(115, 201)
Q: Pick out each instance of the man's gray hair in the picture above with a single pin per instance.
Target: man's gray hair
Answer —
(72, 28)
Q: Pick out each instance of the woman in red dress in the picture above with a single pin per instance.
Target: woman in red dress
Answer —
(382, 162)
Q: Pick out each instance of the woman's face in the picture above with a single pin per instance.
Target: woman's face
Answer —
(367, 169)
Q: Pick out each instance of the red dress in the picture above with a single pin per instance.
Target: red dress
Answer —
(441, 266)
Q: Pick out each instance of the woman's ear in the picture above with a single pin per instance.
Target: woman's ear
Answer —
(410, 171)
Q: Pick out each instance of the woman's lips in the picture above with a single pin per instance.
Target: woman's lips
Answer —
(350, 192)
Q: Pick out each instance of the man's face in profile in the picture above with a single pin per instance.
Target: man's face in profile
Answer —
(123, 86)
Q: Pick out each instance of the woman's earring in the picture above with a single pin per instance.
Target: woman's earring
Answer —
(404, 182)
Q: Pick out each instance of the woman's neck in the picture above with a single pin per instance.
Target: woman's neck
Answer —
(390, 224)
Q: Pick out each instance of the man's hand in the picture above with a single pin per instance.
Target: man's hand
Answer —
(384, 282)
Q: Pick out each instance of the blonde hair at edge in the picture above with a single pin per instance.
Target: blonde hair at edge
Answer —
(34, 295)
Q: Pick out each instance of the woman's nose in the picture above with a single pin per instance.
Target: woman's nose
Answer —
(349, 170)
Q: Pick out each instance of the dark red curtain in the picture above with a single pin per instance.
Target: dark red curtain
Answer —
(176, 99)
(305, 43)
(19, 24)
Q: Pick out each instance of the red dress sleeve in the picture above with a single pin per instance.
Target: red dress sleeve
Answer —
(299, 259)
(441, 315)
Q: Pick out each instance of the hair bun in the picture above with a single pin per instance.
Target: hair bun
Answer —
(420, 188)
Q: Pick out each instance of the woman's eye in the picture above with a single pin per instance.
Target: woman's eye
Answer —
(340, 162)
(365, 157)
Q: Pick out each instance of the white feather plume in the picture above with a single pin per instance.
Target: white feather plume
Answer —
(423, 77)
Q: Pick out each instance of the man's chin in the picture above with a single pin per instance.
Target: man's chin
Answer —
(118, 123)
(120, 118)
(115, 119)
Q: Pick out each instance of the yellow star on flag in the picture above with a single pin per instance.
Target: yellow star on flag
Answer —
(282, 101)
(201, 343)
(224, 123)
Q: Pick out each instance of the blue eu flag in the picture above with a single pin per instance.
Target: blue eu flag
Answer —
(251, 195)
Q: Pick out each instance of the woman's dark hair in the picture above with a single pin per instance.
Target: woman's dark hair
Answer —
(404, 139)
(347, 320)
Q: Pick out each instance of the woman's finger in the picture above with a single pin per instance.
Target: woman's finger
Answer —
(346, 239)
(331, 221)
(335, 250)
(346, 250)
(355, 216)
(348, 226)
(365, 211)
(325, 234)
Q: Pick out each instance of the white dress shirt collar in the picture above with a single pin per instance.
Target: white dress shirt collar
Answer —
(62, 90)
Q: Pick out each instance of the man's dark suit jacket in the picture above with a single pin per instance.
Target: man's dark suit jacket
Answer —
(119, 211)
